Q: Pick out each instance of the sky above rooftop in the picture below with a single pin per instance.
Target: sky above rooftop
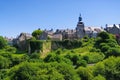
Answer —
(18, 16)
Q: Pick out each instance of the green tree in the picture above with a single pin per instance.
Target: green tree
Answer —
(67, 71)
(37, 33)
(57, 58)
(103, 35)
(109, 68)
(42, 71)
(99, 77)
(113, 52)
(3, 42)
(4, 62)
(84, 73)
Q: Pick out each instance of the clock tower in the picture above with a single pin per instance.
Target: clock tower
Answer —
(80, 32)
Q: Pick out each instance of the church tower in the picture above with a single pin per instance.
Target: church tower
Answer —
(80, 32)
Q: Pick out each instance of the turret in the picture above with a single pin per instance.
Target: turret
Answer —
(80, 18)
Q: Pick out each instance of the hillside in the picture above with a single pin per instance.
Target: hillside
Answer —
(93, 59)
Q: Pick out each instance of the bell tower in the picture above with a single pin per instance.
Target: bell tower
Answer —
(80, 32)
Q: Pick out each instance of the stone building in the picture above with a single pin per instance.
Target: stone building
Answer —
(57, 37)
(67, 33)
(21, 41)
(92, 31)
(114, 29)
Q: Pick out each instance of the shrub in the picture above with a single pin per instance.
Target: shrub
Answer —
(94, 57)
(109, 68)
(36, 45)
(105, 48)
(10, 49)
(42, 71)
(113, 52)
(81, 63)
(57, 58)
(84, 73)
(59, 51)
(37, 33)
(73, 57)
(4, 62)
(67, 44)
(103, 35)
(99, 77)
(3, 42)
(35, 56)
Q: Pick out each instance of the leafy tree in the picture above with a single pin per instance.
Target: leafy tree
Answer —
(67, 71)
(105, 48)
(81, 63)
(84, 73)
(34, 55)
(99, 77)
(42, 71)
(99, 68)
(93, 57)
(3, 42)
(18, 59)
(57, 58)
(4, 62)
(73, 57)
(10, 49)
(103, 35)
(37, 33)
(113, 52)
(3, 74)
(109, 68)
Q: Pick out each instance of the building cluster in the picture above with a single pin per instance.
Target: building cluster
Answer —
(60, 34)
(79, 32)
(114, 29)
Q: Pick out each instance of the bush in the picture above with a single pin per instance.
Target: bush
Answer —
(36, 46)
(57, 58)
(73, 57)
(3, 74)
(103, 35)
(99, 77)
(42, 71)
(18, 59)
(59, 51)
(95, 50)
(81, 63)
(3, 42)
(109, 68)
(4, 62)
(105, 48)
(34, 55)
(113, 52)
(67, 44)
(84, 73)
(67, 71)
(37, 33)
(94, 57)
(10, 49)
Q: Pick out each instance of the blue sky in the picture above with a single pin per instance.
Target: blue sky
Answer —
(18, 16)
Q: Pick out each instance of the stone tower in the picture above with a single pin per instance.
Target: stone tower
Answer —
(80, 32)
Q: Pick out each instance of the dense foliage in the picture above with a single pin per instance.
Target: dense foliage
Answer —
(37, 33)
(3, 42)
(86, 59)
(67, 44)
(36, 45)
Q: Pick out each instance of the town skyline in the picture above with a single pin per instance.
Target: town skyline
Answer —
(26, 16)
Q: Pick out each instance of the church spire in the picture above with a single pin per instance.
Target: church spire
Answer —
(80, 18)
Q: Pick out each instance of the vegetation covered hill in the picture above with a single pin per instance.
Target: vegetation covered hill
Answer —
(93, 59)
